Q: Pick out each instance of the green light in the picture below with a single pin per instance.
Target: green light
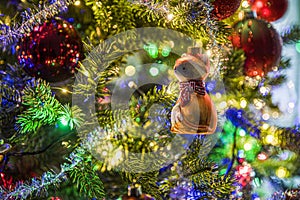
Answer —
(64, 121)
(138, 119)
(166, 51)
(229, 127)
(152, 50)
(298, 46)
(222, 171)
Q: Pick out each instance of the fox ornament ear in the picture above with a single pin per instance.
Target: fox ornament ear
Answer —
(194, 111)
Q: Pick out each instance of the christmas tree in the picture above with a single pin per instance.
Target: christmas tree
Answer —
(145, 100)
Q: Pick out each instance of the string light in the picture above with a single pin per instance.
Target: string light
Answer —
(77, 3)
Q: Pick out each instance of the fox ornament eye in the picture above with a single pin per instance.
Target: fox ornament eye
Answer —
(191, 68)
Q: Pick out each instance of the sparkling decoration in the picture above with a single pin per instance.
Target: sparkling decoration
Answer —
(194, 112)
(51, 51)
(292, 194)
(37, 186)
(270, 10)
(224, 9)
(261, 43)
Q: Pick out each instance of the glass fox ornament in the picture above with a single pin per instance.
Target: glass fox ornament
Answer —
(194, 111)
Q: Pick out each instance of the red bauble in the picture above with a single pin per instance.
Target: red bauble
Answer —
(51, 51)
(261, 44)
(223, 9)
(269, 10)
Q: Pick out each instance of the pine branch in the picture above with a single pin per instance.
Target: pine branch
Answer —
(71, 116)
(38, 187)
(147, 181)
(285, 138)
(204, 174)
(140, 107)
(87, 180)
(291, 35)
(42, 107)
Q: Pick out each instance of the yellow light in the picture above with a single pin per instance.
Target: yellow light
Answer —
(245, 4)
(77, 3)
(275, 115)
(218, 95)
(270, 139)
(130, 70)
(241, 15)
(247, 146)
(281, 172)
(265, 126)
(64, 90)
(243, 103)
(258, 103)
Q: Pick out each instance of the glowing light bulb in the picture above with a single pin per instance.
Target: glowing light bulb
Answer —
(248, 146)
(270, 139)
(64, 121)
(64, 90)
(281, 172)
(170, 17)
(77, 3)
(243, 103)
(245, 4)
(154, 71)
(130, 70)
(242, 132)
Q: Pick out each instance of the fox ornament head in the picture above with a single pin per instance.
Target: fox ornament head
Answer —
(194, 112)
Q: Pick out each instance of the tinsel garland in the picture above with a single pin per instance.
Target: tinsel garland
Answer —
(11, 34)
(292, 194)
(39, 186)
